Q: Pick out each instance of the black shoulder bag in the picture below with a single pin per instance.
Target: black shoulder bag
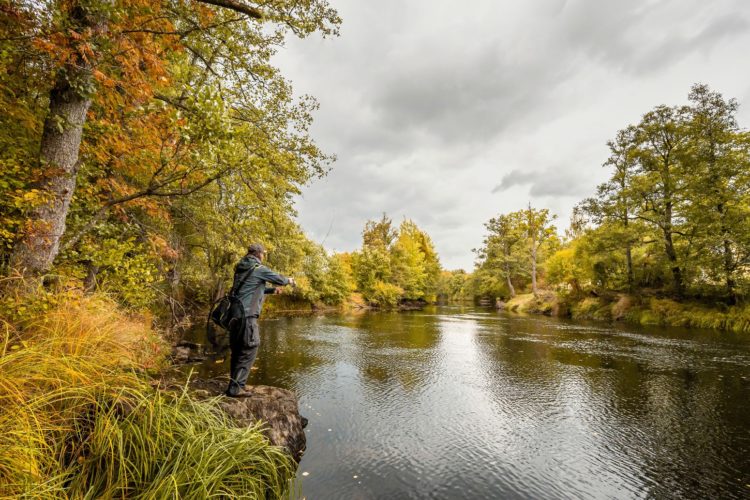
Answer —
(227, 308)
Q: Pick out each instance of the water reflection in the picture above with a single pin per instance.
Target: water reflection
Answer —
(465, 403)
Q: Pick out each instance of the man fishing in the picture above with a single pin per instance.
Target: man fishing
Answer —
(250, 277)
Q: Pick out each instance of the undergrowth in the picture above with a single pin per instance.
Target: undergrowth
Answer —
(79, 418)
(635, 309)
(669, 312)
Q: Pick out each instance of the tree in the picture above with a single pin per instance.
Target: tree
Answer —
(415, 264)
(718, 184)
(661, 182)
(614, 198)
(538, 229)
(504, 248)
(371, 266)
(69, 101)
(453, 286)
(379, 234)
(394, 265)
(569, 267)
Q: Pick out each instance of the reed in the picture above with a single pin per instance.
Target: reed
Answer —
(79, 418)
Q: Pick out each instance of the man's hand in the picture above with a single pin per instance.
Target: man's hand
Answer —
(277, 291)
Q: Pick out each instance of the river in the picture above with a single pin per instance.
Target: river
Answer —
(462, 402)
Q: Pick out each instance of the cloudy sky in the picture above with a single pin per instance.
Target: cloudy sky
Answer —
(449, 113)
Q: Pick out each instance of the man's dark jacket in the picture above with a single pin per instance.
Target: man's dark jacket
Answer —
(253, 289)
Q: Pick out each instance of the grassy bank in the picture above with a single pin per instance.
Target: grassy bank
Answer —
(79, 418)
(635, 309)
(290, 305)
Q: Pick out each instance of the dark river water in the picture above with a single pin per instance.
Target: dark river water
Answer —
(457, 402)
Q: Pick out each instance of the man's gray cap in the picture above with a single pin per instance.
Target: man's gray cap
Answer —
(256, 249)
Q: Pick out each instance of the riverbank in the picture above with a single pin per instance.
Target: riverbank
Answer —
(642, 310)
(84, 413)
(290, 305)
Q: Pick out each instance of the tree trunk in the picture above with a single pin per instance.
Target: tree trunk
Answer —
(628, 247)
(510, 285)
(728, 256)
(672, 256)
(89, 283)
(629, 258)
(506, 253)
(729, 272)
(58, 155)
(533, 267)
(668, 242)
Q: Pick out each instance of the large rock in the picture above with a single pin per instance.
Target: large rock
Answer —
(277, 408)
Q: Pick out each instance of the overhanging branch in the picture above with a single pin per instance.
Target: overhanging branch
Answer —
(236, 6)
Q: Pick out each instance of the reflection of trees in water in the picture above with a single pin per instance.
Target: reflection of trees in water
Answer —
(391, 348)
(665, 416)
(681, 417)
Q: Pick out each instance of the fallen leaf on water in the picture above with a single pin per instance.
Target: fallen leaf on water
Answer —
(305, 473)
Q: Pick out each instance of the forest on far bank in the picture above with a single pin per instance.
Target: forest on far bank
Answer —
(672, 220)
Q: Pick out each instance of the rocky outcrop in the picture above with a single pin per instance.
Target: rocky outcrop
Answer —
(277, 408)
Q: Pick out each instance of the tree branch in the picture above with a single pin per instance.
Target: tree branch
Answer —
(151, 191)
(235, 6)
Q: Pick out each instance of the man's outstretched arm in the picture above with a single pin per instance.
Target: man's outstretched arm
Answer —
(266, 274)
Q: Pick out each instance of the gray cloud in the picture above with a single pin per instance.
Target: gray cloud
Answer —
(468, 99)
(449, 114)
(551, 182)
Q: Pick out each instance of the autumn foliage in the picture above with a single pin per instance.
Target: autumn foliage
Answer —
(192, 146)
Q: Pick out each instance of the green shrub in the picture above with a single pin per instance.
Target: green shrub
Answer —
(384, 295)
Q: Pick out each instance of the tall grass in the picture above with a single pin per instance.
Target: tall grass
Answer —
(80, 419)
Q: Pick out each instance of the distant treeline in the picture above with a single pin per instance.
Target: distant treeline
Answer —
(394, 265)
(673, 218)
